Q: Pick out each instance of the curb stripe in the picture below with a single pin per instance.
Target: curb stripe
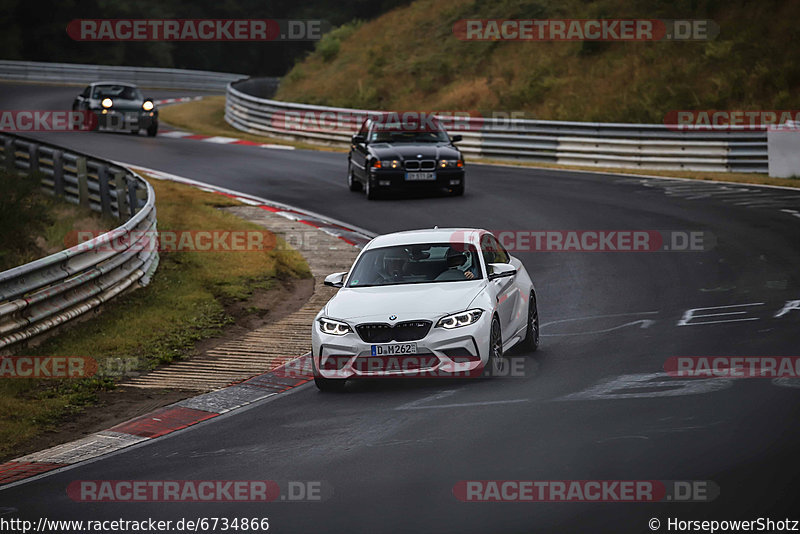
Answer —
(13, 471)
(163, 421)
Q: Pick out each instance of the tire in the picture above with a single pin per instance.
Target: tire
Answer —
(532, 337)
(352, 183)
(496, 362)
(327, 385)
(152, 130)
(372, 194)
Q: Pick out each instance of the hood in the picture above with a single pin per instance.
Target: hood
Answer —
(404, 151)
(406, 301)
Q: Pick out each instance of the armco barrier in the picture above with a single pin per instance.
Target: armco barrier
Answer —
(639, 146)
(40, 295)
(144, 76)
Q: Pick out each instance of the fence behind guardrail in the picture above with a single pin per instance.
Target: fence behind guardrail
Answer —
(144, 76)
(638, 146)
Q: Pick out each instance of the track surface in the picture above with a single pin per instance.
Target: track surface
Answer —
(392, 451)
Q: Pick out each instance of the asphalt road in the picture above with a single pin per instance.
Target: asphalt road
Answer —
(391, 452)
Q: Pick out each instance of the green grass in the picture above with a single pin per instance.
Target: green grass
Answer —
(35, 224)
(207, 117)
(409, 59)
(184, 303)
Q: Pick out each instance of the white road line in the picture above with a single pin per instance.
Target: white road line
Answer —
(220, 139)
(174, 133)
(436, 396)
(463, 404)
(278, 147)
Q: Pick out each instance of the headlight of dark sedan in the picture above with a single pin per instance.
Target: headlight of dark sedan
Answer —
(451, 163)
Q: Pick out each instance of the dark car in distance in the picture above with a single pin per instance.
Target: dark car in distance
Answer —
(119, 106)
(396, 155)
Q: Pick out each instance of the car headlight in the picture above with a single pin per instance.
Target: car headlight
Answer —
(333, 328)
(106, 103)
(148, 105)
(457, 320)
(451, 163)
(391, 164)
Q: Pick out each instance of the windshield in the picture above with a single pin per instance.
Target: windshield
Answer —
(121, 92)
(410, 136)
(416, 264)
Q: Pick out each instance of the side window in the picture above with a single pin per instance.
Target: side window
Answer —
(493, 252)
(364, 128)
(486, 250)
(501, 255)
(85, 93)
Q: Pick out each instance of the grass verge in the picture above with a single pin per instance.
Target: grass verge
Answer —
(207, 117)
(185, 302)
(739, 177)
(35, 224)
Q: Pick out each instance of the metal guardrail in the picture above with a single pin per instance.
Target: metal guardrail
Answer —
(42, 294)
(639, 146)
(143, 76)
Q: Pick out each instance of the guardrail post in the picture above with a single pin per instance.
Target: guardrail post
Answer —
(58, 173)
(8, 154)
(141, 197)
(105, 194)
(133, 202)
(122, 199)
(83, 181)
(33, 158)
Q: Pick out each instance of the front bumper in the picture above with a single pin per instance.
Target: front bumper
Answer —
(383, 179)
(125, 120)
(458, 352)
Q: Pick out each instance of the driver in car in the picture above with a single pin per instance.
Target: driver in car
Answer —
(457, 268)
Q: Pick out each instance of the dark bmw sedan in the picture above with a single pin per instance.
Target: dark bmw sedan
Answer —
(392, 155)
(119, 106)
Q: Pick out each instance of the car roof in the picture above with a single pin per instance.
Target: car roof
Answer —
(432, 235)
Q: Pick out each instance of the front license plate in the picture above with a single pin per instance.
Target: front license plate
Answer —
(394, 349)
(420, 176)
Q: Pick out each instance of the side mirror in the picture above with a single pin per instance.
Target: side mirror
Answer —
(358, 139)
(456, 138)
(335, 279)
(501, 270)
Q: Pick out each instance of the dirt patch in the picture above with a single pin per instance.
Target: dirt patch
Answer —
(264, 307)
(123, 403)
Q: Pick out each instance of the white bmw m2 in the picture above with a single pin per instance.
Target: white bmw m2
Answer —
(440, 302)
